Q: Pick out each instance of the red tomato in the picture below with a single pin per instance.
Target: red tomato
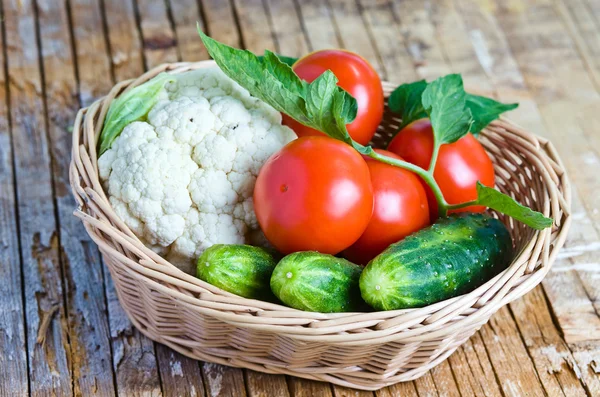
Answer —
(400, 209)
(356, 76)
(314, 195)
(459, 165)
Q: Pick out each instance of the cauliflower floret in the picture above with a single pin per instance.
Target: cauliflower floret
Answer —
(183, 179)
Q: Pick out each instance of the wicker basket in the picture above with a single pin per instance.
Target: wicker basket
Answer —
(360, 350)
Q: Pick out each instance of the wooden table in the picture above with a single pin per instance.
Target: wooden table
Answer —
(60, 55)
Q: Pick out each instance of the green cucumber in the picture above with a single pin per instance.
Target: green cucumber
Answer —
(317, 282)
(449, 258)
(243, 270)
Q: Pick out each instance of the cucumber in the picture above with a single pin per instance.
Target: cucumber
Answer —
(447, 259)
(317, 282)
(243, 270)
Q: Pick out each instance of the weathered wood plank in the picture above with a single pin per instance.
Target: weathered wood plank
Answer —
(158, 38)
(473, 371)
(562, 89)
(287, 28)
(179, 375)
(388, 40)
(133, 357)
(254, 25)
(220, 22)
(340, 391)
(353, 32)
(318, 25)
(222, 381)
(90, 50)
(511, 362)
(550, 354)
(444, 380)
(461, 49)
(425, 386)
(584, 28)
(50, 366)
(260, 384)
(123, 39)
(185, 14)
(421, 38)
(587, 360)
(13, 360)
(308, 388)
(81, 265)
(405, 389)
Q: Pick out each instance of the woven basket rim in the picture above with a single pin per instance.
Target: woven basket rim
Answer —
(528, 268)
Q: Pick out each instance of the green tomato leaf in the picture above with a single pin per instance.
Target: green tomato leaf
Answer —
(132, 106)
(321, 105)
(283, 72)
(485, 110)
(285, 59)
(444, 101)
(406, 101)
(500, 202)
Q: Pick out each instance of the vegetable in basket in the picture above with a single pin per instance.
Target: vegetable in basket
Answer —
(400, 208)
(314, 195)
(181, 172)
(323, 105)
(317, 282)
(244, 270)
(449, 258)
(356, 76)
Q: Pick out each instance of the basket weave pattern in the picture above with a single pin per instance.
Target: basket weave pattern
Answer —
(361, 350)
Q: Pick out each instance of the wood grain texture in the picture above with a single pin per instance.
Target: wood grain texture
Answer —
(558, 82)
(13, 360)
(185, 14)
(124, 39)
(353, 32)
(89, 42)
(308, 388)
(179, 375)
(158, 38)
(260, 384)
(220, 22)
(255, 25)
(222, 381)
(511, 362)
(473, 371)
(134, 357)
(84, 292)
(50, 363)
(421, 39)
(287, 28)
(397, 63)
(318, 25)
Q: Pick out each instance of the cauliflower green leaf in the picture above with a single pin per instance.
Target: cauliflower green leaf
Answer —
(131, 106)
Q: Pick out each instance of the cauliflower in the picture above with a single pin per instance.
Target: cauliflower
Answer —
(183, 179)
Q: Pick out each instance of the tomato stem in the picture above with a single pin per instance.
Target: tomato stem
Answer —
(434, 156)
(426, 175)
(462, 205)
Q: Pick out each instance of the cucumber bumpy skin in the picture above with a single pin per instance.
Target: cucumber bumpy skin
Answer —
(447, 259)
(317, 282)
(243, 270)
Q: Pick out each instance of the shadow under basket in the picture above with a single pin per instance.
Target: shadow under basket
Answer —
(359, 350)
